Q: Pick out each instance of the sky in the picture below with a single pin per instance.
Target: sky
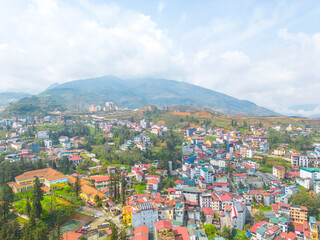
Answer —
(267, 52)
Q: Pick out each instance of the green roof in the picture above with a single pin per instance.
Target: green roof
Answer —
(191, 189)
(261, 230)
(283, 219)
(311, 170)
(274, 220)
(176, 223)
(312, 219)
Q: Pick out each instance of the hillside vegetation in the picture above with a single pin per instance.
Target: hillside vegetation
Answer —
(135, 93)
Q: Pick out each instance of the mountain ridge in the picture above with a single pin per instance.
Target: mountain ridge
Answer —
(135, 93)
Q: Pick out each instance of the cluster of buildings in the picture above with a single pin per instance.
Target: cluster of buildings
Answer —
(218, 181)
(109, 106)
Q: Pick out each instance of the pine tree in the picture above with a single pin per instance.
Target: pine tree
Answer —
(27, 209)
(76, 186)
(6, 199)
(37, 197)
(115, 231)
(123, 190)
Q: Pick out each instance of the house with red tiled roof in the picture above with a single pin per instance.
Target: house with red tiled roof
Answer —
(288, 236)
(225, 200)
(76, 160)
(181, 233)
(141, 233)
(101, 181)
(152, 185)
(164, 230)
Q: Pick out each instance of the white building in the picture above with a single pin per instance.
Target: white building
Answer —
(206, 200)
(47, 143)
(238, 215)
(145, 214)
(308, 176)
(317, 187)
(207, 174)
(194, 172)
(303, 161)
(43, 135)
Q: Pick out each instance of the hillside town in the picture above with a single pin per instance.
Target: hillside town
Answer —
(141, 179)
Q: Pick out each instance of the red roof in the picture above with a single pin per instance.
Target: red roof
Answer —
(248, 167)
(75, 158)
(99, 178)
(225, 198)
(181, 233)
(163, 224)
(255, 227)
(207, 211)
(239, 174)
(141, 229)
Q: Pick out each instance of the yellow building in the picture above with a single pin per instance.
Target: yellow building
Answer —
(49, 178)
(127, 215)
(88, 193)
(279, 172)
(313, 228)
(279, 152)
(298, 215)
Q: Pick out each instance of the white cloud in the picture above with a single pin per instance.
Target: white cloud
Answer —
(42, 42)
(161, 6)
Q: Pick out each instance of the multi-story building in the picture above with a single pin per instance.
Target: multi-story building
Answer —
(205, 200)
(238, 215)
(50, 179)
(144, 214)
(179, 212)
(100, 182)
(298, 214)
(225, 200)
(191, 194)
(279, 172)
(194, 172)
(308, 176)
(295, 159)
(313, 228)
(207, 174)
(88, 194)
(216, 202)
(303, 161)
(165, 213)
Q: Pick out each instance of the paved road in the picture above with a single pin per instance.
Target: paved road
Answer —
(91, 212)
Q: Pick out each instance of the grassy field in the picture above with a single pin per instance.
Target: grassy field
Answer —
(140, 187)
(49, 202)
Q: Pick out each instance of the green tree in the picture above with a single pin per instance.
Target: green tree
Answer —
(123, 190)
(115, 231)
(258, 217)
(227, 233)
(27, 209)
(6, 199)
(37, 197)
(97, 201)
(77, 186)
